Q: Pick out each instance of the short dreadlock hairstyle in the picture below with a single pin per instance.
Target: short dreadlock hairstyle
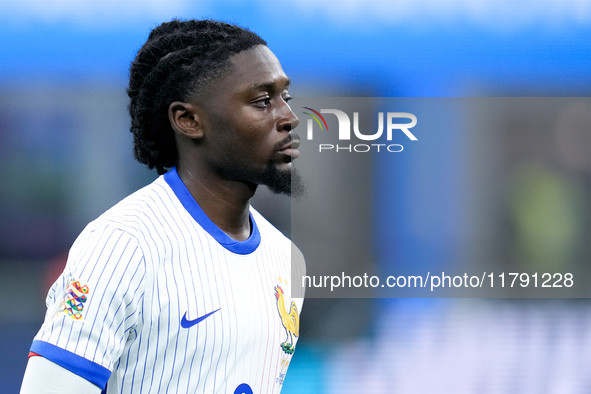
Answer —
(177, 61)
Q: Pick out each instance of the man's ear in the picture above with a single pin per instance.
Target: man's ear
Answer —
(184, 119)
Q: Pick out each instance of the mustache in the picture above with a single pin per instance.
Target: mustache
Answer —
(292, 136)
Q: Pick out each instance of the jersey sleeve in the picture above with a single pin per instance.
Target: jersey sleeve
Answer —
(94, 305)
(44, 377)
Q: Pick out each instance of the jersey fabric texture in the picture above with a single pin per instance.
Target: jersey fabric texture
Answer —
(155, 298)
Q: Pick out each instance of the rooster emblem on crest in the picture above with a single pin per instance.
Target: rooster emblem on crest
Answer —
(290, 320)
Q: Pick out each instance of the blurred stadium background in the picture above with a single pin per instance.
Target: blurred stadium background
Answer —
(65, 157)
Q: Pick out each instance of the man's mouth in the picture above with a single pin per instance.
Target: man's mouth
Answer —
(291, 149)
(293, 144)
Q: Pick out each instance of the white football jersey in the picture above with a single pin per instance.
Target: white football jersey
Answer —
(155, 298)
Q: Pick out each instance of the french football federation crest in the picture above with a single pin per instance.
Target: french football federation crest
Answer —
(290, 320)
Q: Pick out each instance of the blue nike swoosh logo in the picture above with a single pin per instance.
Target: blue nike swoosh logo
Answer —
(190, 323)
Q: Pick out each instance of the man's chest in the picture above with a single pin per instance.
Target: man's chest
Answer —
(230, 316)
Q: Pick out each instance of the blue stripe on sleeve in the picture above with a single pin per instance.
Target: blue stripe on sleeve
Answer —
(184, 195)
(93, 372)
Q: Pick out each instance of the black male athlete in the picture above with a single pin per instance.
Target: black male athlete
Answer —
(183, 287)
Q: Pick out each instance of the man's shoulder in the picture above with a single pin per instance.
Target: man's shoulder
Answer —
(145, 206)
(269, 231)
(277, 240)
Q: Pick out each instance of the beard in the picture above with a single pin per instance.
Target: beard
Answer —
(289, 183)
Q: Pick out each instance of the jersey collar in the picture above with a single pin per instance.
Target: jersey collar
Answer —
(239, 247)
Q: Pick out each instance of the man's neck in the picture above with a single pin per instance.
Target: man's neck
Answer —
(226, 203)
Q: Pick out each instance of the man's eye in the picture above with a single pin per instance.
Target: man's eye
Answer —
(263, 103)
(287, 99)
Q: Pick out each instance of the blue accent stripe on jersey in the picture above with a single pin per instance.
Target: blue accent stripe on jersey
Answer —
(93, 372)
(185, 197)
